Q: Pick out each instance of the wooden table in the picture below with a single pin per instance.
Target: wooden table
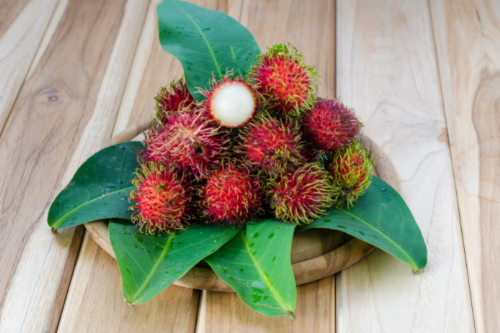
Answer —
(424, 75)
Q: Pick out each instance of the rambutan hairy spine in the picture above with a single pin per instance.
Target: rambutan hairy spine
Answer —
(174, 97)
(188, 141)
(351, 168)
(271, 144)
(330, 125)
(286, 83)
(301, 196)
(163, 199)
(231, 196)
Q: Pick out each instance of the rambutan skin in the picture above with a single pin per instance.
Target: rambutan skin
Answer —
(188, 141)
(351, 168)
(301, 196)
(231, 196)
(216, 85)
(173, 98)
(162, 199)
(271, 145)
(286, 83)
(330, 125)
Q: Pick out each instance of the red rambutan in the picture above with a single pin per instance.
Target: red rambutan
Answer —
(351, 168)
(287, 84)
(330, 125)
(186, 140)
(230, 101)
(302, 195)
(231, 196)
(163, 199)
(270, 144)
(172, 98)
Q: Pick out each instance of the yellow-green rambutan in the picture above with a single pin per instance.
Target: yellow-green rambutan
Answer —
(351, 168)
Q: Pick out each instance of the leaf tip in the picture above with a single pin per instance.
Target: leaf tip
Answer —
(417, 271)
(292, 315)
(54, 230)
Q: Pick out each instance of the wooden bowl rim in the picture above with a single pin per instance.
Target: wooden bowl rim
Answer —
(307, 269)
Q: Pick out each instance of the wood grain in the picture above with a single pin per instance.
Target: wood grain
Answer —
(174, 309)
(386, 69)
(59, 119)
(314, 311)
(96, 273)
(22, 26)
(467, 35)
(310, 27)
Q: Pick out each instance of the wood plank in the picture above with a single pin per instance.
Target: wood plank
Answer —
(386, 69)
(22, 26)
(95, 302)
(61, 117)
(467, 35)
(310, 27)
(95, 290)
(315, 309)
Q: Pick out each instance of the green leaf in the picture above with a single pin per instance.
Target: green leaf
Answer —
(381, 218)
(257, 265)
(150, 263)
(99, 189)
(206, 42)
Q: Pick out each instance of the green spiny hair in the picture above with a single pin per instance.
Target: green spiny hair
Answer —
(272, 146)
(302, 195)
(351, 168)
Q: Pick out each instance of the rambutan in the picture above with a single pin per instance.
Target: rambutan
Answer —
(270, 144)
(172, 98)
(188, 141)
(230, 101)
(286, 83)
(300, 196)
(330, 125)
(163, 199)
(231, 196)
(351, 168)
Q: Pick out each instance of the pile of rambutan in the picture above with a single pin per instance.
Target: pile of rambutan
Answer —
(264, 145)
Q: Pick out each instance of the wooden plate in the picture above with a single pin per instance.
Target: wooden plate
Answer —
(316, 253)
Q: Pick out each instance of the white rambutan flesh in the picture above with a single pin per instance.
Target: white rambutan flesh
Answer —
(233, 104)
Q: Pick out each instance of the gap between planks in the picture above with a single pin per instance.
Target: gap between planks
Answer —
(41, 263)
(387, 68)
(467, 38)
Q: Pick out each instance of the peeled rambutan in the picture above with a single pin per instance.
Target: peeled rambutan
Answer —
(162, 197)
(230, 101)
(231, 196)
(172, 98)
(286, 83)
(188, 141)
(270, 144)
(330, 125)
(302, 195)
(351, 168)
